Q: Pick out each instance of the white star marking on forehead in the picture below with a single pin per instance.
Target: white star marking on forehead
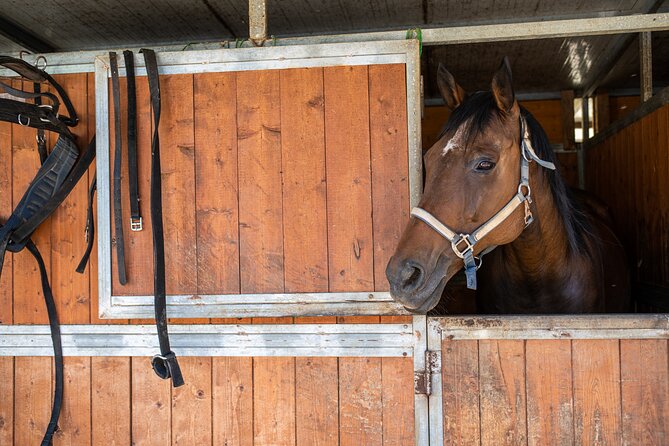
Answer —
(457, 141)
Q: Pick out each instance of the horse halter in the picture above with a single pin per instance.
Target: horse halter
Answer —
(463, 244)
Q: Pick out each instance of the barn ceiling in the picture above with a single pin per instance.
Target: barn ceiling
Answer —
(547, 65)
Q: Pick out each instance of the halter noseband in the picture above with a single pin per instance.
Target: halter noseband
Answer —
(463, 244)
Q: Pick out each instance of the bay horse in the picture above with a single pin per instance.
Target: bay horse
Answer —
(491, 188)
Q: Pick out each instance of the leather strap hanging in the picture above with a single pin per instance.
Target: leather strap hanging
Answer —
(133, 182)
(165, 364)
(118, 211)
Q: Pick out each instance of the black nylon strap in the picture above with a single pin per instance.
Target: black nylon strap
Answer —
(133, 182)
(41, 138)
(118, 211)
(165, 365)
(31, 115)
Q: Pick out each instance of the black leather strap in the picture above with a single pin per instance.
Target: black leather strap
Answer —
(56, 342)
(118, 211)
(165, 365)
(133, 182)
(90, 226)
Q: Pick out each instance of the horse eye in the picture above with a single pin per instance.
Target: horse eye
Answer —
(485, 165)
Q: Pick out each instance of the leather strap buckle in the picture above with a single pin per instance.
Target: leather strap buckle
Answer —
(457, 242)
(166, 366)
(136, 224)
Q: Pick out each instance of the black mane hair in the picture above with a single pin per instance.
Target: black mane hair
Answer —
(479, 109)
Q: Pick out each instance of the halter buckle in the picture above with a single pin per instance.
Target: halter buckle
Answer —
(529, 218)
(457, 242)
(135, 224)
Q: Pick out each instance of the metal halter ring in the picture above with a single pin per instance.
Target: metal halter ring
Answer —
(37, 63)
(526, 186)
(26, 124)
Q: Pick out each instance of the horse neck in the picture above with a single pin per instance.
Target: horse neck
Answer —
(542, 250)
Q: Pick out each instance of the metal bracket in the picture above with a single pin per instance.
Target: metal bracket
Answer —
(422, 380)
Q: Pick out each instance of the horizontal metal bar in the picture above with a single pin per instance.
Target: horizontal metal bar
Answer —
(629, 326)
(256, 305)
(380, 340)
(82, 61)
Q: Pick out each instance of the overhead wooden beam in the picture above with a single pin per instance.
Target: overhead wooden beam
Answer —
(646, 65)
(257, 21)
(24, 38)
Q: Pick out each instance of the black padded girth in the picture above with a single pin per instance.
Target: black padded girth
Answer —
(165, 365)
(60, 172)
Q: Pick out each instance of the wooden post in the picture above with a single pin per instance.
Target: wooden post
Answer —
(257, 21)
(586, 135)
(602, 117)
(567, 107)
(646, 61)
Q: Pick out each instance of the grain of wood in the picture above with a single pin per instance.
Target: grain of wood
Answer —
(216, 183)
(6, 208)
(260, 209)
(32, 399)
(177, 155)
(74, 424)
(28, 296)
(232, 405)
(398, 398)
(7, 400)
(645, 391)
(110, 401)
(360, 404)
(460, 375)
(502, 392)
(596, 372)
(71, 289)
(549, 392)
(191, 403)
(151, 405)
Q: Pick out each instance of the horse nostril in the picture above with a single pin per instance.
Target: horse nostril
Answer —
(411, 277)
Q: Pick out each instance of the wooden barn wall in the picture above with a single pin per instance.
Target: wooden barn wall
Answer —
(547, 112)
(555, 392)
(630, 172)
(282, 123)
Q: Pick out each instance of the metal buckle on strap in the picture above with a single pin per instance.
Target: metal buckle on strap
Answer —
(457, 242)
(48, 107)
(135, 224)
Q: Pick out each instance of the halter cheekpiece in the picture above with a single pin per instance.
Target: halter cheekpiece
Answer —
(463, 244)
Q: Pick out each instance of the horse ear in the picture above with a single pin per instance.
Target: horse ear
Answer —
(502, 87)
(452, 93)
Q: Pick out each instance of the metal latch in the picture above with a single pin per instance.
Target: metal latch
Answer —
(422, 380)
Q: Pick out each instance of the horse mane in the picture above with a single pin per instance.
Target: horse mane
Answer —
(479, 109)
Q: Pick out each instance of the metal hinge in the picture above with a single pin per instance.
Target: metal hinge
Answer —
(422, 380)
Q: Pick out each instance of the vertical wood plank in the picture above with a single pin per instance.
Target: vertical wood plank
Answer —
(74, 424)
(350, 238)
(28, 296)
(645, 391)
(274, 401)
(389, 163)
(663, 179)
(178, 173)
(151, 408)
(596, 371)
(6, 208)
(32, 399)
(191, 404)
(138, 243)
(349, 199)
(260, 209)
(71, 289)
(216, 183)
(305, 242)
(361, 405)
(460, 375)
(6, 400)
(398, 401)
(110, 401)
(502, 390)
(549, 392)
(232, 395)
